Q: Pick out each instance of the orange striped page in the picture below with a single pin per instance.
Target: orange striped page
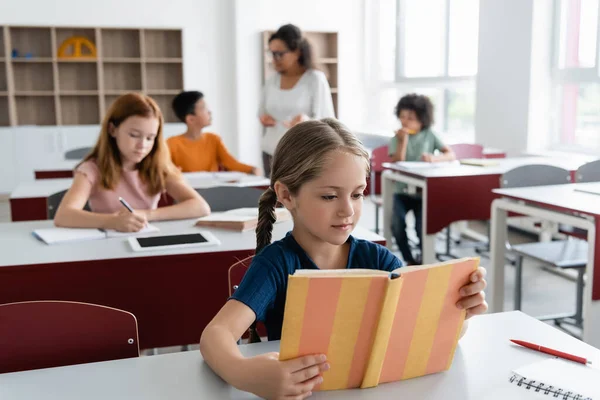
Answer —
(427, 323)
(337, 317)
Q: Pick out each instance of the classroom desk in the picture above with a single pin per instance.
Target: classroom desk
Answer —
(453, 192)
(173, 293)
(62, 169)
(561, 204)
(29, 201)
(481, 369)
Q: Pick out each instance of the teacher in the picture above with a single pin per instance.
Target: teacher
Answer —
(296, 93)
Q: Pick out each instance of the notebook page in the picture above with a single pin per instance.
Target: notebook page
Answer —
(110, 233)
(563, 374)
(66, 235)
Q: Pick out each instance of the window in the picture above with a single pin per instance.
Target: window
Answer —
(428, 47)
(576, 75)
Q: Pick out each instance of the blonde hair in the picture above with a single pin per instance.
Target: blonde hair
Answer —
(300, 157)
(155, 167)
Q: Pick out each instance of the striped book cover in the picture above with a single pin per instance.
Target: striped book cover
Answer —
(376, 327)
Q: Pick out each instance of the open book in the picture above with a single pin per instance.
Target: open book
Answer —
(240, 219)
(375, 326)
(67, 235)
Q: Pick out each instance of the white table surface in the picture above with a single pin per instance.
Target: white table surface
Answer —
(481, 369)
(504, 164)
(562, 196)
(48, 187)
(19, 247)
(64, 165)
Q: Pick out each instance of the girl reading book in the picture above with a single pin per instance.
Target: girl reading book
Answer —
(131, 161)
(319, 174)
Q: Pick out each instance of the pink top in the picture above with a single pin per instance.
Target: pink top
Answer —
(130, 188)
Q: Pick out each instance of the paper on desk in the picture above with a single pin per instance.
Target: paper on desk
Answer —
(64, 235)
(110, 233)
(425, 165)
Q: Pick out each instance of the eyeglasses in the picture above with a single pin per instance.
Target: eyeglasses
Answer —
(278, 55)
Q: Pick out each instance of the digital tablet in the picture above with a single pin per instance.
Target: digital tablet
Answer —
(174, 241)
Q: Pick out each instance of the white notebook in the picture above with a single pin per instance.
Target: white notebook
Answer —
(558, 378)
(68, 235)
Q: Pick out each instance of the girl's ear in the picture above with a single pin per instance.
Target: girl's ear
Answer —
(111, 129)
(284, 196)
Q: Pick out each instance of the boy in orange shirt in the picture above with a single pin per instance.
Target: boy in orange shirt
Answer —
(195, 150)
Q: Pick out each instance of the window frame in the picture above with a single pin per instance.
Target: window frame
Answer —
(569, 76)
(444, 82)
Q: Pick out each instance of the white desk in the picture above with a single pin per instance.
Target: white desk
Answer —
(481, 369)
(173, 293)
(29, 200)
(453, 193)
(557, 203)
(20, 247)
(198, 180)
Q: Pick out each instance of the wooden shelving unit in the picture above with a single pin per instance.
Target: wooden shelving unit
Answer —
(39, 88)
(325, 49)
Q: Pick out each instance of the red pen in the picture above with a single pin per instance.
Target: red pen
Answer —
(552, 352)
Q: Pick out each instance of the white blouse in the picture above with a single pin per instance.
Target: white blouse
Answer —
(311, 96)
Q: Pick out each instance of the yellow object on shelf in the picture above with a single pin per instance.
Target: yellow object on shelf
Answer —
(77, 43)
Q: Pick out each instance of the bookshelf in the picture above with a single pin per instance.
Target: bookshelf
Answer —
(37, 87)
(325, 50)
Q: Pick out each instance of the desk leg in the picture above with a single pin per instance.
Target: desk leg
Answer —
(591, 307)
(495, 275)
(428, 244)
(387, 191)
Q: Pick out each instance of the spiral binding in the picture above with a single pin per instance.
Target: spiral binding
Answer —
(542, 388)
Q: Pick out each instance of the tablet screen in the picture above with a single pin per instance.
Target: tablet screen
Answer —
(156, 241)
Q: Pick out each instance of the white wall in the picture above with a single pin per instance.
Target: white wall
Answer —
(208, 62)
(514, 87)
(503, 77)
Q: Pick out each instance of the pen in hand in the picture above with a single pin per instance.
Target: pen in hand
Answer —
(126, 204)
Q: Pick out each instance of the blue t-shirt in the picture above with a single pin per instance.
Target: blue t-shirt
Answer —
(264, 286)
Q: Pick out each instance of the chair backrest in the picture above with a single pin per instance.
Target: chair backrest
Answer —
(378, 156)
(467, 150)
(534, 175)
(589, 172)
(53, 202)
(235, 275)
(44, 334)
(78, 153)
(225, 198)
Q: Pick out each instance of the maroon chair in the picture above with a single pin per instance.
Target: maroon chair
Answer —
(235, 275)
(44, 334)
(379, 156)
(467, 150)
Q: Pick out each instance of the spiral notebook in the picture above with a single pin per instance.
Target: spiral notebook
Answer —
(558, 379)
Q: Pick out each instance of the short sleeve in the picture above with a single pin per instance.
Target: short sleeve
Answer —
(258, 289)
(387, 260)
(437, 142)
(393, 145)
(89, 169)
